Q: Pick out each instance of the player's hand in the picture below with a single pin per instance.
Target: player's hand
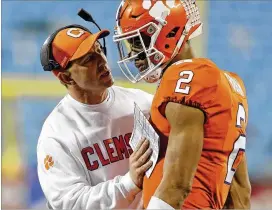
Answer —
(139, 162)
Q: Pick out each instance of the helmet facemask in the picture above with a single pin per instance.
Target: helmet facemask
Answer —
(139, 59)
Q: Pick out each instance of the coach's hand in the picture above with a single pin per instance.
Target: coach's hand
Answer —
(139, 162)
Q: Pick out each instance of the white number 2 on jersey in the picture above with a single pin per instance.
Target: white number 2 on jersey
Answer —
(239, 145)
(187, 80)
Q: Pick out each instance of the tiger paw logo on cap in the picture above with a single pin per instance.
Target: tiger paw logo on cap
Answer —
(48, 162)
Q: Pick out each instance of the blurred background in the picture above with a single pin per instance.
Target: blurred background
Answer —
(236, 37)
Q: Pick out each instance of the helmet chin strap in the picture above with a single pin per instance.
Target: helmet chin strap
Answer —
(155, 75)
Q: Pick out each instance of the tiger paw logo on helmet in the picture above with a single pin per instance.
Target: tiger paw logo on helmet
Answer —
(150, 33)
(48, 162)
(159, 5)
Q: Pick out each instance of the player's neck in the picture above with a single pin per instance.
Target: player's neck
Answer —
(175, 59)
(89, 97)
(186, 54)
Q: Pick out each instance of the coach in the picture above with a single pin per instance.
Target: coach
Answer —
(84, 157)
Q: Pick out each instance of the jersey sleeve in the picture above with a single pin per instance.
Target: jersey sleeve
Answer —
(191, 84)
(66, 186)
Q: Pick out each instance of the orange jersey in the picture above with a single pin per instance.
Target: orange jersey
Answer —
(222, 98)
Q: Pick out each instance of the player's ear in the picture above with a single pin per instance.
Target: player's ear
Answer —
(65, 78)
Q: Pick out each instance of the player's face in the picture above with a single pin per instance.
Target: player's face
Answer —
(140, 61)
(91, 72)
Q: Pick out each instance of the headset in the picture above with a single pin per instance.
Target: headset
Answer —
(46, 56)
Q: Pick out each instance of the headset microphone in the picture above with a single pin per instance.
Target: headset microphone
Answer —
(87, 17)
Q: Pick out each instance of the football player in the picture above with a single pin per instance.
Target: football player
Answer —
(199, 110)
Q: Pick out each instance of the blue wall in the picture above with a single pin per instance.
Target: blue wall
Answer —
(26, 25)
(238, 40)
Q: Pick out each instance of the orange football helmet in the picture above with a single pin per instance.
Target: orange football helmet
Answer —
(150, 33)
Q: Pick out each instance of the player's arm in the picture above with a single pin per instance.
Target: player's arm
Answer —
(67, 185)
(240, 189)
(182, 156)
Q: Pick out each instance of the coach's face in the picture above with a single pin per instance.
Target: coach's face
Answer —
(91, 72)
